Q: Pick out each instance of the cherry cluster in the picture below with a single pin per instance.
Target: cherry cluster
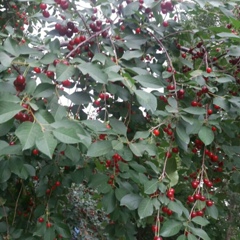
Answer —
(45, 12)
(114, 163)
(64, 4)
(20, 83)
(170, 194)
(166, 6)
(26, 115)
(66, 30)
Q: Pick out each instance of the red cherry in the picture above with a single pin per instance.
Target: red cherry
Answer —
(37, 70)
(156, 132)
(66, 83)
(154, 228)
(195, 184)
(209, 203)
(165, 24)
(48, 224)
(35, 151)
(48, 191)
(197, 196)
(214, 129)
(169, 212)
(208, 70)
(210, 111)
(170, 87)
(184, 55)
(190, 199)
(157, 238)
(138, 30)
(46, 13)
(193, 214)
(194, 103)
(202, 198)
(58, 183)
(164, 209)
(175, 150)
(41, 220)
(43, 6)
(20, 80)
(200, 213)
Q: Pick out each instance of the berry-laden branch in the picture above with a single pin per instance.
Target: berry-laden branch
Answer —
(170, 65)
(87, 40)
(84, 22)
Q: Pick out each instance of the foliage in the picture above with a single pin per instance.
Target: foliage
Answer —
(136, 100)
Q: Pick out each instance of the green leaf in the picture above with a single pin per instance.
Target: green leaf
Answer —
(136, 149)
(181, 132)
(131, 8)
(27, 133)
(191, 237)
(8, 110)
(206, 135)
(66, 135)
(109, 202)
(117, 145)
(11, 47)
(64, 72)
(227, 35)
(131, 201)
(221, 102)
(99, 57)
(128, 55)
(118, 126)
(5, 59)
(170, 228)
(212, 212)
(94, 71)
(95, 125)
(147, 100)
(63, 230)
(49, 234)
(134, 41)
(80, 98)
(182, 237)
(145, 208)
(44, 90)
(175, 207)
(141, 134)
(46, 144)
(99, 148)
(201, 221)
(5, 127)
(195, 110)
(44, 117)
(149, 81)
(151, 186)
(48, 58)
(199, 232)
(5, 172)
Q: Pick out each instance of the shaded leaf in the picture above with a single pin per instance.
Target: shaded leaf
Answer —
(206, 135)
(170, 228)
(46, 144)
(147, 100)
(131, 201)
(66, 135)
(99, 148)
(27, 133)
(145, 208)
(8, 110)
